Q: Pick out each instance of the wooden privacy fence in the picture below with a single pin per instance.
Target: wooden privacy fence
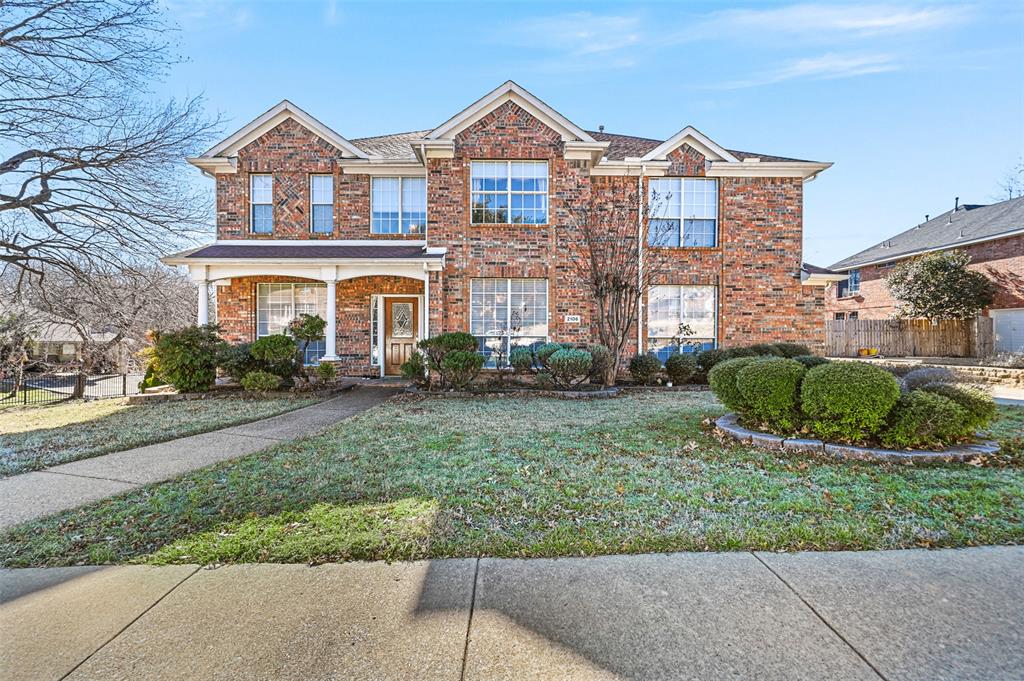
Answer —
(910, 337)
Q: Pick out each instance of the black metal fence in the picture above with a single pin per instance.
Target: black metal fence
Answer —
(49, 388)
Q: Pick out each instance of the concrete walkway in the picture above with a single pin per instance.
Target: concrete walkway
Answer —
(1012, 397)
(40, 493)
(898, 615)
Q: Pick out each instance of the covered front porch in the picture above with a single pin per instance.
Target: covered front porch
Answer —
(374, 298)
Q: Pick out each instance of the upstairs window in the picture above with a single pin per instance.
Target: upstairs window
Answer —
(509, 192)
(321, 198)
(684, 212)
(849, 286)
(261, 198)
(399, 205)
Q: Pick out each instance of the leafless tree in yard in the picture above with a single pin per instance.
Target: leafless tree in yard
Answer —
(15, 336)
(91, 170)
(1012, 184)
(606, 229)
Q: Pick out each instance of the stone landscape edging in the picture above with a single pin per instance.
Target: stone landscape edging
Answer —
(729, 426)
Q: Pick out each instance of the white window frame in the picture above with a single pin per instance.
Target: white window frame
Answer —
(508, 336)
(253, 203)
(401, 201)
(509, 192)
(683, 217)
(681, 288)
(312, 203)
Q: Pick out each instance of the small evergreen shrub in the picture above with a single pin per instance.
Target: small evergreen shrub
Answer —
(521, 359)
(925, 419)
(793, 350)
(811, 361)
(707, 359)
(925, 375)
(762, 349)
(415, 369)
(188, 358)
(326, 371)
(279, 354)
(543, 352)
(436, 347)
(847, 401)
(602, 362)
(460, 367)
(569, 367)
(681, 367)
(722, 378)
(644, 368)
(770, 388)
(237, 360)
(977, 404)
(260, 381)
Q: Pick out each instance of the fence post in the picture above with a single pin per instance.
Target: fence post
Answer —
(79, 391)
(124, 385)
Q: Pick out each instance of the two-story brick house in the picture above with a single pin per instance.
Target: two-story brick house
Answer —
(465, 227)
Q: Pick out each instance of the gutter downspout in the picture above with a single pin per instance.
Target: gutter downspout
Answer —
(640, 258)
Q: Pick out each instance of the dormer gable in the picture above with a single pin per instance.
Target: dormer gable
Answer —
(693, 137)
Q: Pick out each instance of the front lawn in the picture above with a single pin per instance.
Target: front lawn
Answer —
(527, 477)
(35, 437)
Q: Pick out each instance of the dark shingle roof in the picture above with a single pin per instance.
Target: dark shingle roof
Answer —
(314, 250)
(814, 269)
(968, 223)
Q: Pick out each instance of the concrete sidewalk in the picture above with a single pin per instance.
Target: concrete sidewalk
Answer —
(40, 493)
(898, 615)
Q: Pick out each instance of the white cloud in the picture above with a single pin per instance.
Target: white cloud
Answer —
(824, 67)
(331, 12)
(580, 33)
(207, 15)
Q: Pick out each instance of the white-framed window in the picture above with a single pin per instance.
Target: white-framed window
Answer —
(261, 201)
(278, 304)
(509, 192)
(849, 286)
(398, 205)
(668, 307)
(321, 204)
(684, 212)
(507, 313)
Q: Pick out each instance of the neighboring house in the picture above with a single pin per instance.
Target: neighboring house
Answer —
(465, 228)
(993, 235)
(57, 341)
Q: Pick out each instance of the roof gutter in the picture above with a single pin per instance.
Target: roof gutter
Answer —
(922, 251)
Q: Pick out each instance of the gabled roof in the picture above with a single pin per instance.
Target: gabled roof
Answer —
(274, 117)
(630, 146)
(696, 139)
(966, 225)
(507, 91)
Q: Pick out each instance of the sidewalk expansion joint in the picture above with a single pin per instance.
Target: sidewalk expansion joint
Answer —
(134, 620)
(89, 477)
(820, 617)
(469, 620)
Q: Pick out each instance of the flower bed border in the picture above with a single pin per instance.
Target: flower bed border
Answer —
(729, 426)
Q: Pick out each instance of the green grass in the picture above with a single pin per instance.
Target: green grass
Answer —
(35, 437)
(529, 477)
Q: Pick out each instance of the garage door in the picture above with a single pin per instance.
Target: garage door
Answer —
(1009, 328)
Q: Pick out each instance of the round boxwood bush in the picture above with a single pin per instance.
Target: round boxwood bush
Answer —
(260, 381)
(811, 361)
(722, 379)
(680, 367)
(437, 347)
(278, 352)
(187, 359)
(569, 367)
(770, 388)
(793, 350)
(707, 359)
(544, 352)
(847, 400)
(644, 368)
(762, 349)
(925, 419)
(460, 367)
(521, 359)
(978, 405)
(923, 376)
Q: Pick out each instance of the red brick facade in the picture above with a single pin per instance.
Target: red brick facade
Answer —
(756, 264)
(1001, 260)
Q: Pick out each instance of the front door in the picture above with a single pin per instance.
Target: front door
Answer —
(401, 320)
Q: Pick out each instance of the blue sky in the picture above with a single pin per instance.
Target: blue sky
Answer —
(915, 103)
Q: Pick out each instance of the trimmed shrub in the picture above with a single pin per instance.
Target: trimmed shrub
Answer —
(722, 378)
(644, 368)
(925, 419)
(521, 359)
(237, 360)
(601, 362)
(260, 381)
(415, 369)
(847, 400)
(543, 353)
(762, 349)
(460, 367)
(436, 347)
(707, 359)
(770, 387)
(326, 371)
(978, 405)
(681, 367)
(279, 354)
(925, 375)
(811, 361)
(793, 350)
(569, 367)
(187, 359)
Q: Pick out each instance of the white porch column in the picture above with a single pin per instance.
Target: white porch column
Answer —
(203, 284)
(426, 304)
(332, 319)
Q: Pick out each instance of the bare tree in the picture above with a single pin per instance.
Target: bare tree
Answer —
(15, 336)
(114, 307)
(1012, 185)
(613, 256)
(90, 168)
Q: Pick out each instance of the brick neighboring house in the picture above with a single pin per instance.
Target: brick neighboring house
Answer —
(466, 227)
(993, 235)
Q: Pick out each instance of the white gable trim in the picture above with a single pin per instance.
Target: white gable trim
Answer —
(696, 139)
(274, 117)
(509, 91)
